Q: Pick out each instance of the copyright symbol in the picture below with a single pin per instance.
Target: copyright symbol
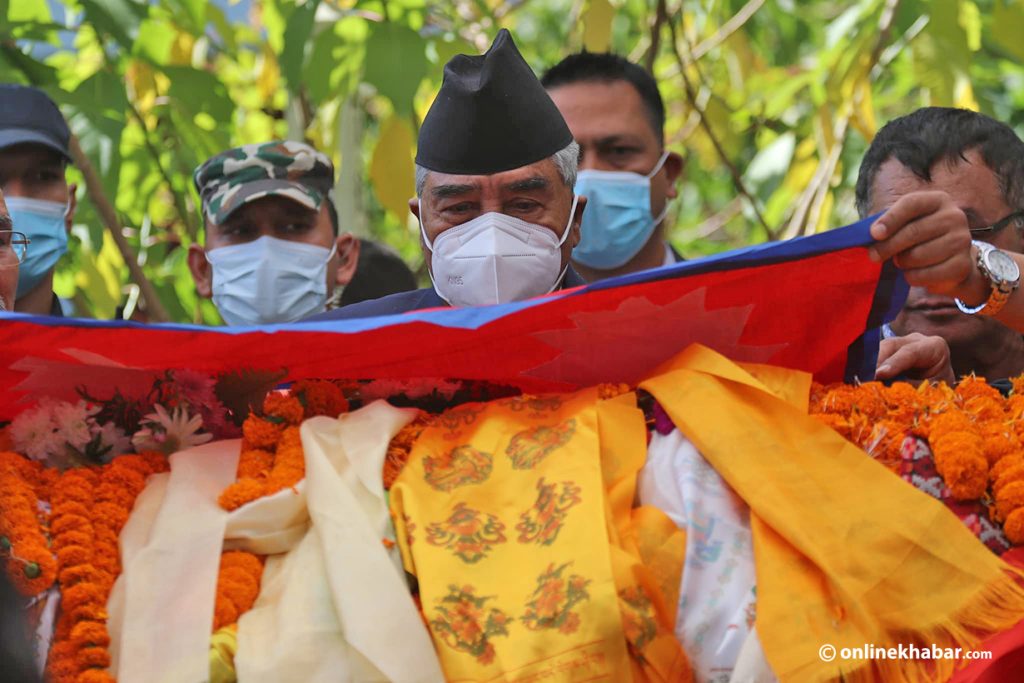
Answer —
(827, 652)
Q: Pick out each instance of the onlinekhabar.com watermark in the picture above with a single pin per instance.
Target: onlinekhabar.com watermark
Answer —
(829, 652)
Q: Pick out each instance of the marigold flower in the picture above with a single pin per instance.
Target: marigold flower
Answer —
(1006, 463)
(61, 669)
(283, 407)
(80, 594)
(74, 555)
(1008, 477)
(834, 421)
(844, 400)
(886, 441)
(241, 492)
(260, 433)
(1015, 406)
(119, 496)
(255, 463)
(998, 442)
(1010, 498)
(155, 460)
(28, 470)
(95, 676)
(34, 570)
(89, 611)
(320, 397)
(64, 523)
(948, 421)
(77, 573)
(224, 613)
(111, 515)
(1013, 527)
(242, 593)
(93, 657)
(973, 386)
(89, 633)
(962, 466)
(239, 558)
(123, 478)
(985, 408)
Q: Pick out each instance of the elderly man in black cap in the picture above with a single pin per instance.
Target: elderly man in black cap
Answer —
(495, 170)
(34, 154)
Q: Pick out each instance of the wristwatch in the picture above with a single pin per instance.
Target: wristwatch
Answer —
(1002, 272)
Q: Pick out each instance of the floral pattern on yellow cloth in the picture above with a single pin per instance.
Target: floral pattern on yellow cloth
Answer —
(549, 601)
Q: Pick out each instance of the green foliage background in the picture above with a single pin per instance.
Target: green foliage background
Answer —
(772, 102)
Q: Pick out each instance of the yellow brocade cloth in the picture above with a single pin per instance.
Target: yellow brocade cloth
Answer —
(516, 519)
(846, 554)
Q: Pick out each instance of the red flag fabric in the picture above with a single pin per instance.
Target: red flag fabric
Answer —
(813, 304)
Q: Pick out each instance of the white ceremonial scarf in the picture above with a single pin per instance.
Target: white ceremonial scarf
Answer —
(333, 603)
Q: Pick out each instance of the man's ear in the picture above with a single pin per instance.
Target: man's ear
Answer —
(348, 258)
(414, 207)
(69, 219)
(577, 222)
(674, 165)
(202, 271)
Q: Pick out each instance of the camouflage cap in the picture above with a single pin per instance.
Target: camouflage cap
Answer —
(247, 173)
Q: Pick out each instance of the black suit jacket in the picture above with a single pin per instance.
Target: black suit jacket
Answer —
(404, 302)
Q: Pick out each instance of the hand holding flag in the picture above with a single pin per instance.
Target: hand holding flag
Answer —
(927, 236)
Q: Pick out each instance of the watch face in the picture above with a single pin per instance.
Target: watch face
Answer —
(1002, 266)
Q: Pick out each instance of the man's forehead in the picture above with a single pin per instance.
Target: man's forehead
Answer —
(600, 109)
(273, 206)
(30, 152)
(967, 179)
(536, 176)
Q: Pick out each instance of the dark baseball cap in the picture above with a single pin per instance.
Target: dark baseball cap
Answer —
(28, 115)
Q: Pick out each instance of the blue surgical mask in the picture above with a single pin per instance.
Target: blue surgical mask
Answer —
(43, 223)
(617, 221)
(269, 280)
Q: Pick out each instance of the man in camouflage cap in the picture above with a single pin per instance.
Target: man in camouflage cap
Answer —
(272, 253)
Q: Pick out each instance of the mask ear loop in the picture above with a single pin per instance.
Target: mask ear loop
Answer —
(565, 234)
(334, 300)
(423, 231)
(657, 168)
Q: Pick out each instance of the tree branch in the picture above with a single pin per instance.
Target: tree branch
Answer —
(691, 95)
(108, 215)
(660, 15)
(190, 227)
(807, 211)
(727, 29)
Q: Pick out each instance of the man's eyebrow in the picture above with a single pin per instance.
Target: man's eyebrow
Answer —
(5, 222)
(528, 184)
(617, 139)
(452, 190)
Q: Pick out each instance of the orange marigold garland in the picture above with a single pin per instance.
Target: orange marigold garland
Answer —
(238, 585)
(319, 397)
(272, 458)
(29, 562)
(976, 436)
(88, 510)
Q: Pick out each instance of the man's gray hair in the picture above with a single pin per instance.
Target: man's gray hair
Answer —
(566, 161)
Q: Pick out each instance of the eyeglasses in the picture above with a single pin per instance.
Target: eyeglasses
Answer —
(992, 230)
(13, 246)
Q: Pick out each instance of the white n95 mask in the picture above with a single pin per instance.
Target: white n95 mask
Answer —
(269, 280)
(496, 258)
